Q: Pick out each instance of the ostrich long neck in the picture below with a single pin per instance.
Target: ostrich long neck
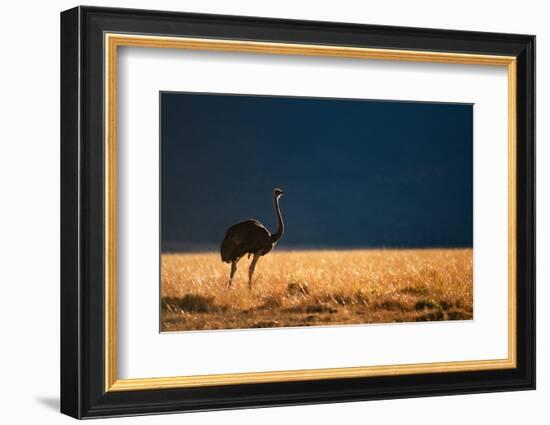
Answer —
(280, 225)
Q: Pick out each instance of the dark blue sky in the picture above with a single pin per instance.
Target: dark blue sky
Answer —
(356, 173)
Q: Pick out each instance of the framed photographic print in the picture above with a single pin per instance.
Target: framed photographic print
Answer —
(261, 212)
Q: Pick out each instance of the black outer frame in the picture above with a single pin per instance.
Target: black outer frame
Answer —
(82, 218)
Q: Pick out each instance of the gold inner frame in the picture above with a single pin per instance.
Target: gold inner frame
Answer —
(113, 41)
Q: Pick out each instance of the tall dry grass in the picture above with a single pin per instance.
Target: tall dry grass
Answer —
(298, 288)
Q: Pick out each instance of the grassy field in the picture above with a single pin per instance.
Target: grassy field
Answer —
(312, 288)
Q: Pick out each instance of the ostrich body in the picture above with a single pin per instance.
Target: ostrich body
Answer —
(251, 237)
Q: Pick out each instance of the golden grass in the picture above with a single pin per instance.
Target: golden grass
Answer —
(305, 288)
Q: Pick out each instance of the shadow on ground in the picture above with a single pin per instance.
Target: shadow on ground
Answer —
(49, 402)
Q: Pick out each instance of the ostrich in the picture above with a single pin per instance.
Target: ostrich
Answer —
(251, 237)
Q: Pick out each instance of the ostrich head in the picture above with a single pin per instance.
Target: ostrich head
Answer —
(278, 192)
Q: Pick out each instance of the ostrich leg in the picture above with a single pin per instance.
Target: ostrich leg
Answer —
(251, 269)
(233, 270)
